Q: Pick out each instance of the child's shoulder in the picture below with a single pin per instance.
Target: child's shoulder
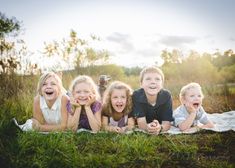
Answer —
(96, 106)
(165, 92)
(180, 111)
(180, 108)
(138, 92)
(65, 97)
(36, 98)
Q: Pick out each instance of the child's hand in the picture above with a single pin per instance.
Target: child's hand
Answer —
(91, 99)
(36, 124)
(190, 108)
(119, 130)
(74, 102)
(154, 127)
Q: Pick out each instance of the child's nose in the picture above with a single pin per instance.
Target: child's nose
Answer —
(82, 94)
(49, 85)
(153, 81)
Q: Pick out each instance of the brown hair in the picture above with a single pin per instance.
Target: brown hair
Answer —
(151, 69)
(107, 105)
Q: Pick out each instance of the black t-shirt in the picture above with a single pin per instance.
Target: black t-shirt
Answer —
(161, 111)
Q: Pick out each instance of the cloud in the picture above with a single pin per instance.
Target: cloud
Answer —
(232, 39)
(117, 37)
(177, 41)
(122, 42)
(131, 50)
(148, 52)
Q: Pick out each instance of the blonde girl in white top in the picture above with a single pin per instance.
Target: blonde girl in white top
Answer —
(49, 107)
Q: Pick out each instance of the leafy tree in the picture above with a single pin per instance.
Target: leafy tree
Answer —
(228, 74)
(132, 71)
(194, 67)
(8, 26)
(14, 58)
(76, 52)
(223, 60)
(172, 57)
(114, 71)
(14, 53)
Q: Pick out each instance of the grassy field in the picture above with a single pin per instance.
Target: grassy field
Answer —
(21, 149)
(31, 149)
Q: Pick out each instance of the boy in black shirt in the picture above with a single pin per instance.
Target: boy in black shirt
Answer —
(152, 105)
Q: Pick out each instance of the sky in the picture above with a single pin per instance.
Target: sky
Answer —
(133, 31)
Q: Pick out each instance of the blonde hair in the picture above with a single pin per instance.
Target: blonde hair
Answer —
(88, 80)
(107, 105)
(185, 88)
(151, 69)
(44, 77)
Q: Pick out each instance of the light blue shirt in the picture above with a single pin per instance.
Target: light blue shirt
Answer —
(180, 114)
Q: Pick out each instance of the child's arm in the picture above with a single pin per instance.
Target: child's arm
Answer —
(64, 116)
(37, 113)
(130, 123)
(166, 125)
(186, 124)
(73, 120)
(108, 127)
(94, 119)
(204, 120)
(209, 124)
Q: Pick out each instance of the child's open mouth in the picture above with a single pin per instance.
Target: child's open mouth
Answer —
(196, 105)
(119, 106)
(49, 92)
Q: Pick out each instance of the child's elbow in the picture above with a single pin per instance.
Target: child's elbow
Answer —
(210, 125)
(97, 129)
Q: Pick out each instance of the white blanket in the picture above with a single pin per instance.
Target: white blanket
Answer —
(223, 122)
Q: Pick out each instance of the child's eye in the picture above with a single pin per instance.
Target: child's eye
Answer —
(45, 83)
(147, 78)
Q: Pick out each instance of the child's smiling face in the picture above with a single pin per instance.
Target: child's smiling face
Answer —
(50, 89)
(82, 93)
(193, 97)
(119, 99)
(152, 83)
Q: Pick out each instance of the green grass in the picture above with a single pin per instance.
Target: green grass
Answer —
(31, 149)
